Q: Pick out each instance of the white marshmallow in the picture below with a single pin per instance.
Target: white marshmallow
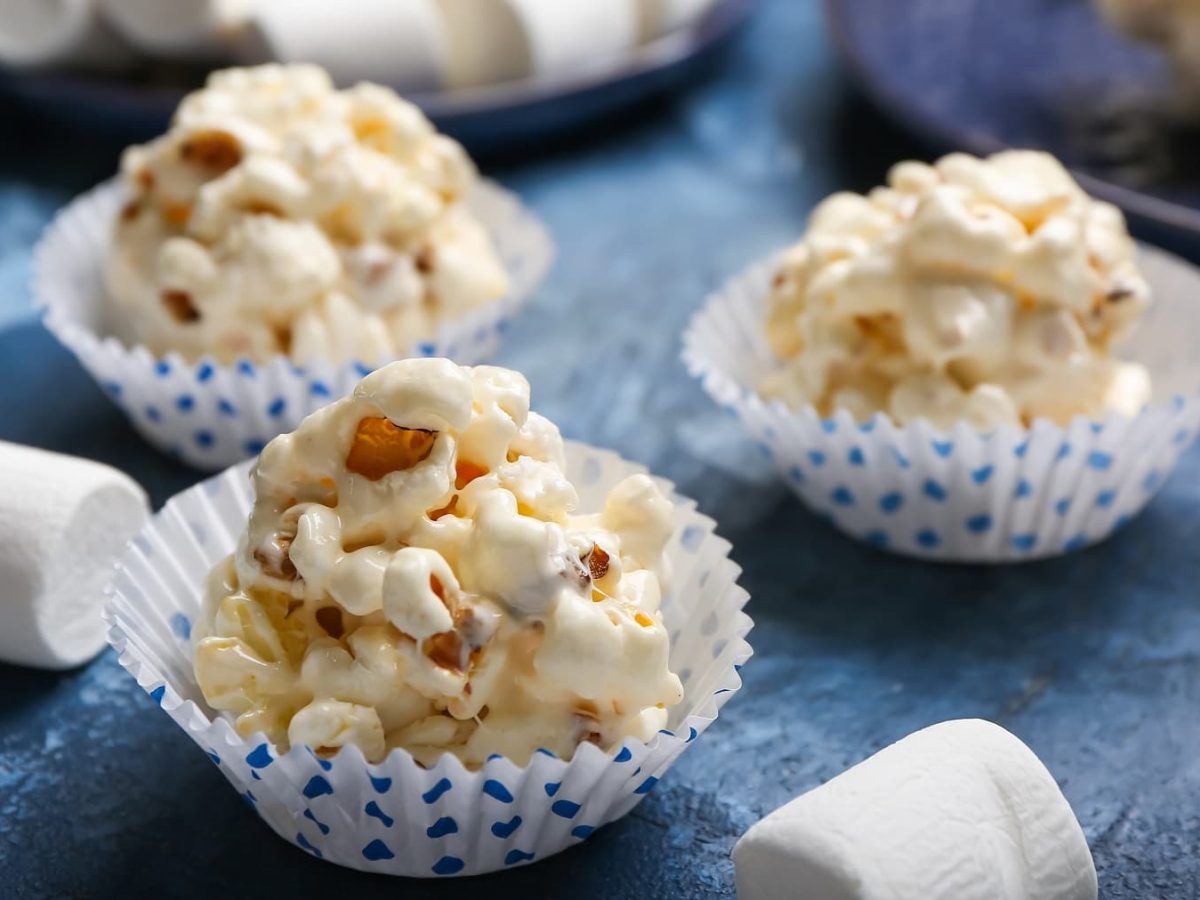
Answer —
(400, 43)
(958, 811)
(506, 40)
(62, 522)
(583, 36)
(191, 29)
(659, 17)
(485, 43)
(37, 33)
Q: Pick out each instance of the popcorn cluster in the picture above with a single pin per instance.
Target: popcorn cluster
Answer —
(989, 291)
(413, 574)
(279, 215)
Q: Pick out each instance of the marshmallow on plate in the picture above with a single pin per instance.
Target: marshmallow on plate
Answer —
(569, 38)
(659, 17)
(46, 32)
(512, 39)
(485, 43)
(193, 29)
(958, 811)
(401, 43)
(62, 522)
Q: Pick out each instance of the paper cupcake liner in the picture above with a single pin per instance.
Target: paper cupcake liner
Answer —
(211, 415)
(397, 817)
(965, 495)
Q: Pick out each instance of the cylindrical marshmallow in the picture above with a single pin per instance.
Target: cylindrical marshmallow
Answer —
(195, 29)
(506, 40)
(659, 17)
(567, 38)
(485, 43)
(958, 811)
(401, 43)
(36, 33)
(62, 522)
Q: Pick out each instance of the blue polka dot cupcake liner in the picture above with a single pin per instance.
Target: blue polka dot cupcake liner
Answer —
(964, 495)
(396, 817)
(211, 415)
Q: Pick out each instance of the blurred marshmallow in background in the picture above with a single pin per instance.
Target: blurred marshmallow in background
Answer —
(45, 33)
(958, 811)
(1172, 27)
(413, 45)
(398, 42)
(204, 30)
(508, 40)
(582, 36)
(659, 17)
(487, 43)
(62, 522)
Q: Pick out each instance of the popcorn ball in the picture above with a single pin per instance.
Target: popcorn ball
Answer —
(413, 574)
(281, 216)
(989, 291)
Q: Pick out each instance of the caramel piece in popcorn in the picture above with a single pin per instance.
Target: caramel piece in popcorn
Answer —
(262, 208)
(449, 509)
(424, 260)
(177, 213)
(373, 132)
(179, 305)
(465, 472)
(218, 151)
(381, 447)
(597, 562)
(330, 620)
(275, 560)
(445, 650)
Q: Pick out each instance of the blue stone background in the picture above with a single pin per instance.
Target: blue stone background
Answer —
(1091, 659)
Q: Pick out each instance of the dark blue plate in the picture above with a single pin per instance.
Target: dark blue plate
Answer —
(484, 119)
(981, 75)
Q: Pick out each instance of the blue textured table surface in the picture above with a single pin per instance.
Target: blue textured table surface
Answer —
(1091, 659)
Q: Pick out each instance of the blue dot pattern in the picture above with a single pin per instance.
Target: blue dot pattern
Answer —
(442, 827)
(494, 788)
(211, 415)
(317, 786)
(448, 865)
(434, 793)
(377, 850)
(504, 830)
(372, 809)
(966, 495)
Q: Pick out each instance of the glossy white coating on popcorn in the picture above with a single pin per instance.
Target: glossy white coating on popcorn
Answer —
(279, 215)
(458, 604)
(985, 290)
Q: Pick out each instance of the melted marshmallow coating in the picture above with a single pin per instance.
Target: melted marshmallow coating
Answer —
(981, 290)
(279, 215)
(414, 574)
